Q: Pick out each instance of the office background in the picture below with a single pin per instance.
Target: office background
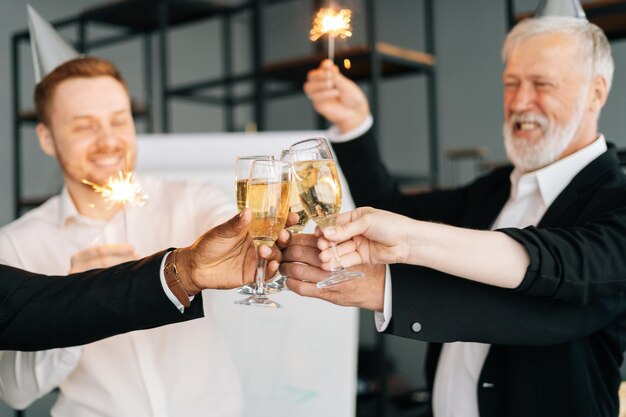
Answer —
(468, 37)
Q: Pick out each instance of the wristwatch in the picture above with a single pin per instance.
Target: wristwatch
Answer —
(173, 281)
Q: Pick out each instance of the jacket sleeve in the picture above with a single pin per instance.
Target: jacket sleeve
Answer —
(27, 376)
(576, 264)
(39, 312)
(435, 307)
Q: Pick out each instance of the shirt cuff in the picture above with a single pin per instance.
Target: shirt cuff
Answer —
(167, 290)
(337, 137)
(382, 319)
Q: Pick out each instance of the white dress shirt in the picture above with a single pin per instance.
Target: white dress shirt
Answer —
(180, 370)
(458, 371)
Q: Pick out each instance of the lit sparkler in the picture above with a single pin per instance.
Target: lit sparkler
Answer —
(334, 23)
(122, 190)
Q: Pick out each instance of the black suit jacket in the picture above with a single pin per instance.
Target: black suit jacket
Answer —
(557, 340)
(40, 312)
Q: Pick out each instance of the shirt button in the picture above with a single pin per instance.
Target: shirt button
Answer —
(416, 327)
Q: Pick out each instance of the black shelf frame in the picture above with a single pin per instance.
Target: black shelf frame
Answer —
(376, 60)
(158, 16)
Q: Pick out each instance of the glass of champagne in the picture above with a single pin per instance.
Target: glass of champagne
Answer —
(268, 200)
(319, 190)
(242, 174)
(295, 205)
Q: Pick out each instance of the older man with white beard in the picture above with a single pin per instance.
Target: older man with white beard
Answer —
(553, 346)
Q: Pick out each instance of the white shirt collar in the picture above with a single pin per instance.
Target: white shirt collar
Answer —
(552, 179)
(67, 208)
(69, 213)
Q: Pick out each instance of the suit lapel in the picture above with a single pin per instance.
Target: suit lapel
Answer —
(578, 192)
(561, 209)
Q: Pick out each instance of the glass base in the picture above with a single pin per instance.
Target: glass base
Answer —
(339, 277)
(247, 289)
(258, 301)
(250, 289)
(278, 284)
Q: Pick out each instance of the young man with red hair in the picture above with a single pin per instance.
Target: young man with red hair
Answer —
(87, 125)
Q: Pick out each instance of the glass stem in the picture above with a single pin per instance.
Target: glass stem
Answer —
(260, 277)
(335, 262)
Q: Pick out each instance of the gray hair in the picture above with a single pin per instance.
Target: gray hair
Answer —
(594, 46)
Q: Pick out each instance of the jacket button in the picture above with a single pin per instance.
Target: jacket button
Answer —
(416, 327)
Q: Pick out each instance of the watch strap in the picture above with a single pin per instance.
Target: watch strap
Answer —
(172, 280)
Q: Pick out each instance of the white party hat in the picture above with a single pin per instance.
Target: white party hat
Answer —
(49, 49)
(564, 8)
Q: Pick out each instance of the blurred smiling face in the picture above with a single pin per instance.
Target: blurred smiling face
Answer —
(545, 94)
(91, 130)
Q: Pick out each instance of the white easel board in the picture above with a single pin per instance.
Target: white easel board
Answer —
(308, 349)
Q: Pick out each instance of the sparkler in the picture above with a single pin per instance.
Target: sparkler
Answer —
(122, 190)
(334, 23)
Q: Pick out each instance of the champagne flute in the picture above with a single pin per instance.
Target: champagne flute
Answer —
(268, 200)
(295, 205)
(242, 174)
(320, 193)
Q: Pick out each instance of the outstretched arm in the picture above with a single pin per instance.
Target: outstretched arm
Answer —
(576, 264)
(41, 312)
(372, 236)
(446, 308)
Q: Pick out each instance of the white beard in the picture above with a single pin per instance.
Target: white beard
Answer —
(530, 155)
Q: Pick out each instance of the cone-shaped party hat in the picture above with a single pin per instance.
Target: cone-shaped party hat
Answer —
(564, 8)
(49, 49)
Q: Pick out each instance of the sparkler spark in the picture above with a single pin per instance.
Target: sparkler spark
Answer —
(334, 23)
(121, 190)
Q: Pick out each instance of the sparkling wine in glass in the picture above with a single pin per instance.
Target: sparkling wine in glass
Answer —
(295, 205)
(268, 200)
(242, 174)
(319, 191)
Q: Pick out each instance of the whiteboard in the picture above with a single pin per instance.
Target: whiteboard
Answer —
(298, 361)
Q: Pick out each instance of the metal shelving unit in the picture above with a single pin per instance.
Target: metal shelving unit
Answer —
(147, 18)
